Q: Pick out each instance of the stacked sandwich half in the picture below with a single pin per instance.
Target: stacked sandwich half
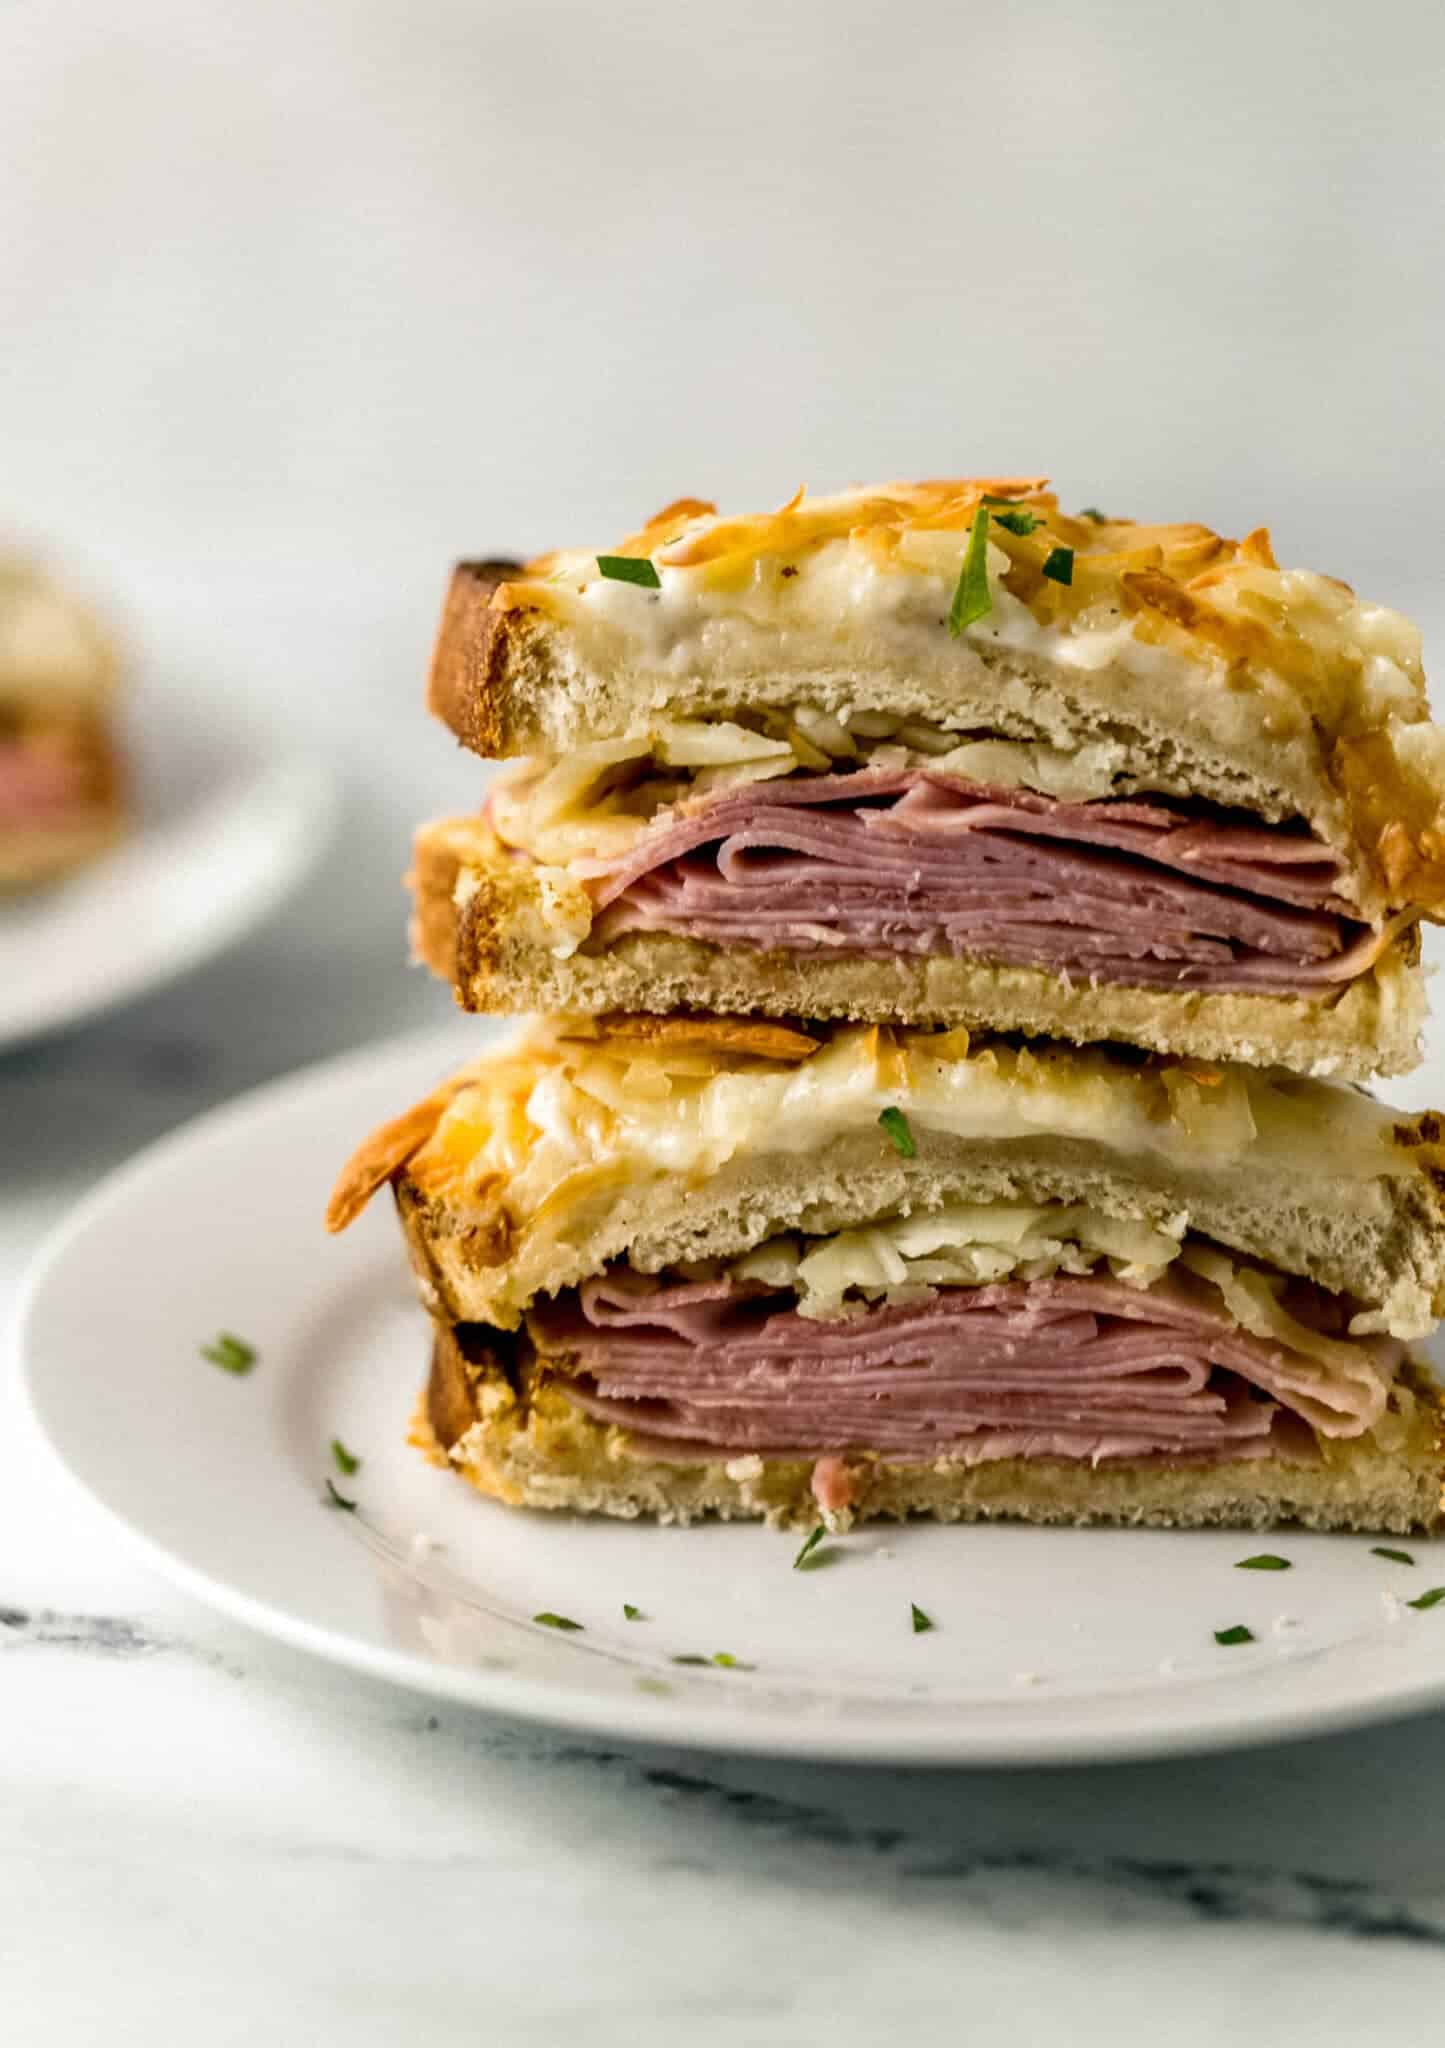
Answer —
(960, 927)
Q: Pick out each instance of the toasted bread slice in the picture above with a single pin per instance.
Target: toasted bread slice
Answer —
(512, 936)
(1196, 665)
(666, 1141)
(504, 1423)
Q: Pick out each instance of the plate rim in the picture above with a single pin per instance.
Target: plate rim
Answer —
(643, 1718)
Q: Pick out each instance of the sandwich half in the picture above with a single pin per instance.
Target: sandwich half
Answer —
(61, 800)
(941, 753)
(689, 1266)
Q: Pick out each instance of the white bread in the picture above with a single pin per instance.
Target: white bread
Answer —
(666, 1140)
(503, 1423)
(496, 929)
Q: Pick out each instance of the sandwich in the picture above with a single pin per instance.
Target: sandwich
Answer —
(689, 1266)
(60, 779)
(941, 753)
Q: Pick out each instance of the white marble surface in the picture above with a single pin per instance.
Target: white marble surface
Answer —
(197, 1826)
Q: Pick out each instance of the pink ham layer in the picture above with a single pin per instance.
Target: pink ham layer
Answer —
(38, 783)
(881, 863)
(1069, 1367)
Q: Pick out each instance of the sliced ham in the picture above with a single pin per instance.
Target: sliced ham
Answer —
(1070, 1366)
(38, 783)
(1143, 891)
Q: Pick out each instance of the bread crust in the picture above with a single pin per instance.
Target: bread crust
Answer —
(491, 925)
(469, 686)
(501, 1421)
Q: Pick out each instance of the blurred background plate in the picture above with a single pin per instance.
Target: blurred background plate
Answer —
(225, 826)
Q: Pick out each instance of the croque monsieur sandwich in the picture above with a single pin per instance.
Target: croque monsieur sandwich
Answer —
(60, 780)
(940, 753)
(688, 1266)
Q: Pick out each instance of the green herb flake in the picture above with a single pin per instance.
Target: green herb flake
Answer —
(232, 1354)
(896, 1124)
(1395, 1556)
(692, 1658)
(810, 1544)
(1265, 1561)
(1092, 512)
(922, 1622)
(347, 1462)
(1059, 567)
(339, 1500)
(632, 1613)
(1230, 1636)
(1431, 1599)
(630, 569)
(659, 1686)
(728, 1662)
(562, 1621)
(972, 600)
(1022, 523)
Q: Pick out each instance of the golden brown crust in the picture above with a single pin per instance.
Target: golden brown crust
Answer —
(505, 1426)
(467, 688)
(484, 922)
(628, 1032)
(383, 1154)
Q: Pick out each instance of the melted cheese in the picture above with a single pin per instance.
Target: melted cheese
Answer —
(879, 566)
(578, 1107)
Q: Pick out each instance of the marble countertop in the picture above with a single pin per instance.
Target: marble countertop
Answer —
(198, 1826)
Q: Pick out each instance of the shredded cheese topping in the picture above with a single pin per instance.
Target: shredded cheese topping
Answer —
(891, 554)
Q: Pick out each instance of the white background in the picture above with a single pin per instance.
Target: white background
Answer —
(306, 298)
(297, 302)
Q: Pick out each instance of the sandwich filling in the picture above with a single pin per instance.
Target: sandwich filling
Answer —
(969, 1335)
(53, 771)
(960, 853)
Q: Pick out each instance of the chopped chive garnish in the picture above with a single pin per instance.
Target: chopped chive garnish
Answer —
(1238, 1634)
(691, 1658)
(632, 1613)
(896, 1124)
(346, 1461)
(921, 1621)
(1017, 522)
(1059, 567)
(339, 1500)
(1395, 1556)
(971, 600)
(810, 1544)
(1092, 512)
(729, 1662)
(1266, 1561)
(550, 1620)
(1431, 1599)
(231, 1354)
(630, 569)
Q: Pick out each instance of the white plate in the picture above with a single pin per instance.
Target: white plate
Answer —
(223, 830)
(1050, 1645)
